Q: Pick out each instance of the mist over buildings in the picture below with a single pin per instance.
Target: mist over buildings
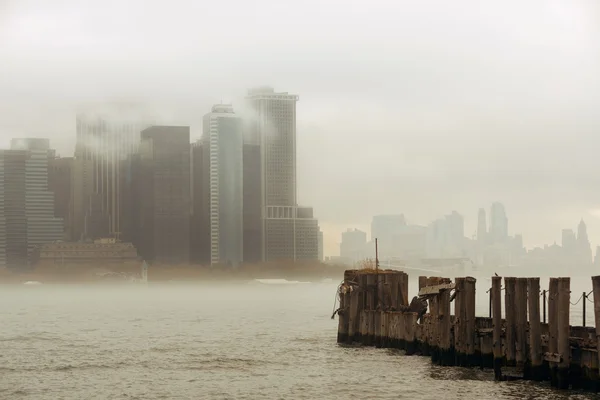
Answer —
(414, 108)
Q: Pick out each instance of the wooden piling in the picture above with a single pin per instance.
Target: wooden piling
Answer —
(364, 326)
(404, 288)
(534, 370)
(564, 348)
(459, 322)
(497, 325)
(380, 290)
(362, 301)
(371, 287)
(393, 280)
(446, 356)
(553, 328)
(422, 284)
(410, 321)
(573, 352)
(342, 336)
(471, 358)
(521, 353)
(596, 289)
(377, 328)
(509, 308)
(353, 316)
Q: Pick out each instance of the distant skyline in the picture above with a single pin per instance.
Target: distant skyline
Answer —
(401, 110)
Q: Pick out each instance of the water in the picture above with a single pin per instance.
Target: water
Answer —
(232, 341)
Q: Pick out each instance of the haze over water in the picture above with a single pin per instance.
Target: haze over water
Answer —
(252, 341)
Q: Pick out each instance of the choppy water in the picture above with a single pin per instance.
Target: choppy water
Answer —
(243, 341)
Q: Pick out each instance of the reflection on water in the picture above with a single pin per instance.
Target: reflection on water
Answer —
(206, 341)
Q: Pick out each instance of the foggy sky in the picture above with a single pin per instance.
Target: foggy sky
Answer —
(414, 107)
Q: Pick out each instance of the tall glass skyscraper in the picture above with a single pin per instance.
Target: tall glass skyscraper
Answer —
(223, 140)
(107, 135)
(26, 205)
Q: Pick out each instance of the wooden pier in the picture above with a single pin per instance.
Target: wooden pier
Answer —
(375, 311)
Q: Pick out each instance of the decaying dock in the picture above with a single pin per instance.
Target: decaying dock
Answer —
(375, 311)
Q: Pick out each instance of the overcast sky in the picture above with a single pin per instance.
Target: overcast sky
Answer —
(414, 107)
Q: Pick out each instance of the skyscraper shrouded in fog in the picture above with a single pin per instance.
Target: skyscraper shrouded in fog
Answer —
(584, 247)
(481, 226)
(498, 224)
(163, 196)
(200, 218)
(107, 137)
(287, 231)
(27, 217)
(224, 178)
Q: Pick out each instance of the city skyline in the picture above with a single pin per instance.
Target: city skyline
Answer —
(400, 110)
(445, 239)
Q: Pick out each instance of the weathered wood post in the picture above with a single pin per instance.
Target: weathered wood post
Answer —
(564, 348)
(371, 288)
(364, 326)
(553, 328)
(459, 322)
(535, 370)
(404, 289)
(353, 315)
(362, 306)
(445, 327)
(469, 306)
(521, 352)
(422, 284)
(401, 331)
(380, 289)
(411, 325)
(509, 308)
(342, 336)
(497, 325)
(596, 289)
(377, 329)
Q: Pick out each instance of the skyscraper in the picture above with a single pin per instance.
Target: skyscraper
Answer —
(481, 226)
(164, 195)
(59, 183)
(384, 228)
(223, 137)
(200, 220)
(498, 224)
(253, 222)
(106, 138)
(272, 125)
(583, 244)
(26, 205)
(354, 245)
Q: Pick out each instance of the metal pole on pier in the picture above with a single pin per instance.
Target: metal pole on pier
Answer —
(584, 298)
(376, 256)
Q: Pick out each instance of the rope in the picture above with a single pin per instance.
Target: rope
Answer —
(574, 304)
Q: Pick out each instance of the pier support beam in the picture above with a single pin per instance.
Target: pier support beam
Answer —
(535, 370)
(521, 353)
(342, 336)
(509, 307)
(469, 306)
(353, 316)
(553, 327)
(596, 288)
(497, 325)
(564, 348)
